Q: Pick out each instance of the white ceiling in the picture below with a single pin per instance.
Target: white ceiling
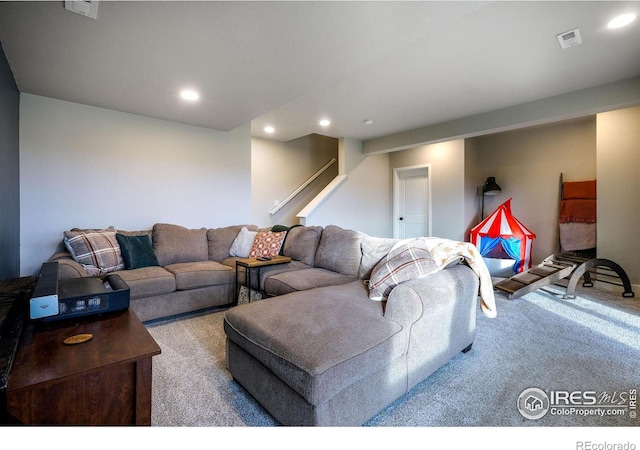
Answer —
(288, 64)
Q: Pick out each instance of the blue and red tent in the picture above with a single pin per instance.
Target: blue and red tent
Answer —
(501, 227)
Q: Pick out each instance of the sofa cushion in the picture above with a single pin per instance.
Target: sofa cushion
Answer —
(339, 250)
(267, 271)
(267, 243)
(148, 281)
(373, 250)
(407, 260)
(243, 243)
(191, 275)
(137, 251)
(301, 243)
(303, 279)
(220, 240)
(97, 250)
(176, 244)
(318, 342)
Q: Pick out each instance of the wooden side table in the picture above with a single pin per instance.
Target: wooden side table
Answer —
(250, 264)
(103, 381)
(14, 298)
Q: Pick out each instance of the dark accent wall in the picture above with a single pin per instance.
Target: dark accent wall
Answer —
(9, 172)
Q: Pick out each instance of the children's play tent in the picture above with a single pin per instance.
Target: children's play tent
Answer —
(502, 227)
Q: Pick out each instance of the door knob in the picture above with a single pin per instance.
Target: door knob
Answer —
(401, 218)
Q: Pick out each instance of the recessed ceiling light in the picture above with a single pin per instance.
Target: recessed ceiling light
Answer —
(367, 121)
(325, 123)
(622, 20)
(269, 129)
(189, 95)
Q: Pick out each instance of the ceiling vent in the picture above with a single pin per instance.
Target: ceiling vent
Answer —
(569, 38)
(87, 8)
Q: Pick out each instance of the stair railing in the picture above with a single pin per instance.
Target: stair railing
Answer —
(302, 186)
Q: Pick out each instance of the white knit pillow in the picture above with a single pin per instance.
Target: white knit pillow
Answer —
(243, 243)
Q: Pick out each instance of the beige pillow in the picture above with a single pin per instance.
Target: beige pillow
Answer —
(374, 249)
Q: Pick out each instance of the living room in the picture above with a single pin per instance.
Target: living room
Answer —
(66, 164)
(156, 151)
(205, 162)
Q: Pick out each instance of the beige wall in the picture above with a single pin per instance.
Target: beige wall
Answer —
(527, 165)
(279, 168)
(618, 160)
(89, 167)
(363, 200)
(82, 166)
(446, 163)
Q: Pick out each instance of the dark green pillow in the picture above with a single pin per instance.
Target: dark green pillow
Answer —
(137, 251)
(279, 228)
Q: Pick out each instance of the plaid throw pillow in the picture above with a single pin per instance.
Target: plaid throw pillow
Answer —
(406, 260)
(98, 251)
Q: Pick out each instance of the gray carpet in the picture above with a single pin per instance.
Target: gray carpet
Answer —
(591, 343)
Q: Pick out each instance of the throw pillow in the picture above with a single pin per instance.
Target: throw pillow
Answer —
(279, 228)
(242, 244)
(407, 260)
(98, 251)
(374, 249)
(219, 240)
(137, 251)
(286, 229)
(267, 243)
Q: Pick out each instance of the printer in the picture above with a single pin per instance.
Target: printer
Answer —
(54, 299)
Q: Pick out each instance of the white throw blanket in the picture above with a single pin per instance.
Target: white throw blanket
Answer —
(447, 251)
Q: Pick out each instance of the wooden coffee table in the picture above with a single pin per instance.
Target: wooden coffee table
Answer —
(105, 380)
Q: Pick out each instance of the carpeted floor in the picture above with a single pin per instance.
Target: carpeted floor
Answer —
(591, 343)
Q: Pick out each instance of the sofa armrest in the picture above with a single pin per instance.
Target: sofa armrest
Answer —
(67, 266)
(413, 299)
(444, 308)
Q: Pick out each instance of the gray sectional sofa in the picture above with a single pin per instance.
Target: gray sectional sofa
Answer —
(317, 351)
(194, 270)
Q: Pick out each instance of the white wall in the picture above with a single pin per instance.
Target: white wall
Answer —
(87, 167)
(618, 156)
(363, 201)
(447, 167)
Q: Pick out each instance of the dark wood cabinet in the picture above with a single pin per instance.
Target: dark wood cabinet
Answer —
(103, 381)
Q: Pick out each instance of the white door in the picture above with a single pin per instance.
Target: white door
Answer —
(411, 198)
